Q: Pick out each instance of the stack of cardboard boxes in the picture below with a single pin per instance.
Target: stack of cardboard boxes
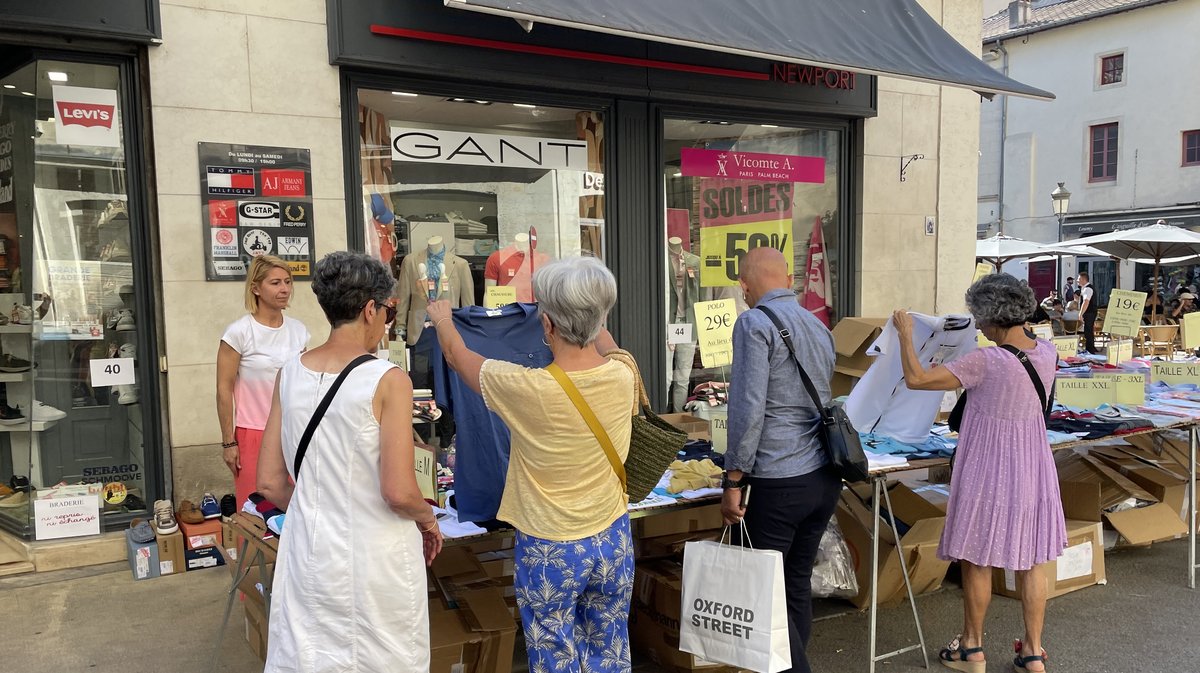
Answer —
(192, 547)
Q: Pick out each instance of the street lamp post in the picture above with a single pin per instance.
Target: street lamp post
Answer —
(1061, 199)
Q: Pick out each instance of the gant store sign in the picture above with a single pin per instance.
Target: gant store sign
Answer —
(485, 149)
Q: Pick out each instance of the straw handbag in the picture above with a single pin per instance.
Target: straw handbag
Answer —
(653, 444)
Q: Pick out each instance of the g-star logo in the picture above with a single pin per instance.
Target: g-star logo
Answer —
(85, 114)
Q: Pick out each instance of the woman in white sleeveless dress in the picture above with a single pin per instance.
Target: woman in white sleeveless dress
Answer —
(349, 588)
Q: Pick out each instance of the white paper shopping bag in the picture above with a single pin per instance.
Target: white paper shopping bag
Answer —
(734, 607)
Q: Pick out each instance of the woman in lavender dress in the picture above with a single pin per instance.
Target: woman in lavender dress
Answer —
(1005, 510)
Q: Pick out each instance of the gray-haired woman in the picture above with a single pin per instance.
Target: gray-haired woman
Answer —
(349, 590)
(1005, 510)
(574, 561)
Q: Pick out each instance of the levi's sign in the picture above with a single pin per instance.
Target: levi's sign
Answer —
(85, 114)
(484, 149)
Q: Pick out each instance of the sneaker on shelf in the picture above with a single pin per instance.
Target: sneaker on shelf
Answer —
(19, 482)
(13, 364)
(111, 321)
(164, 518)
(5, 489)
(189, 513)
(133, 503)
(22, 315)
(127, 351)
(124, 320)
(44, 413)
(15, 500)
(3, 319)
(126, 394)
(140, 531)
(10, 415)
(209, 507)
(228, 506)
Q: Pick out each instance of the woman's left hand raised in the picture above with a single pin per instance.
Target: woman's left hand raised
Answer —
(903, 322)
(439, 310)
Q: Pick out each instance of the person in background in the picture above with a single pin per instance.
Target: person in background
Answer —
(251, 352)
(349, 591)
(573, 551)
(1183, 305)
(1050, 300)
(1005, 510)
(1089, 304)
(774, 446)
(1069, 290)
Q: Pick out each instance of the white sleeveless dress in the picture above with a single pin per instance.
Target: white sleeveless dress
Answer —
(349, 589)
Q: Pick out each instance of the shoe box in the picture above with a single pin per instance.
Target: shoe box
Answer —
(1080, 566)
(654, 619)
(852, 337)
(171, 553)
(694, 426)
(919, 543)
(692, 520)
(199, 535)
(204, 557)
(143, 558)
(475, 634)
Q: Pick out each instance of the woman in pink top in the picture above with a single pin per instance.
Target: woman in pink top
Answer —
(252, 350)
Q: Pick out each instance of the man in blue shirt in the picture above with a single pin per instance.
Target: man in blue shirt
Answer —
(773, 442)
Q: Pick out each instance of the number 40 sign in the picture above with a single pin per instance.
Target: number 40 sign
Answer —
(113, 372)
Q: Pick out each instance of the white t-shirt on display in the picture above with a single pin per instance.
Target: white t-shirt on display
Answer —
(264, 350)
(882, 403)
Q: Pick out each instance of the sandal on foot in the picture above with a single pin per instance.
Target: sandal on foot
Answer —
(1019, 662)
(954, 656)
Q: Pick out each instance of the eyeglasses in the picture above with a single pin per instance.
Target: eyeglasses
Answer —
(388, 309)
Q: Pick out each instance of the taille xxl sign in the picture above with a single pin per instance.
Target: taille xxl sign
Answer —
(485, 149)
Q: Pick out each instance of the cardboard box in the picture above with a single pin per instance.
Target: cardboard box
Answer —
(257, 628)
(670, 546)
(919, 544)
(691, 520)
(142, 557)
(851, 338)
(1080, 566)
(480, 634)
(198, 535)
(694, 426)
(170, 553)
(205, 557)
(1090, 488)
(1163, 484)
(654, 619)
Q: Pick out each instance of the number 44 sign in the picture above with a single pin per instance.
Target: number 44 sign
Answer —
(112, 372)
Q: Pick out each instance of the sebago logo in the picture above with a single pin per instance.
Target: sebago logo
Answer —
(85, 114)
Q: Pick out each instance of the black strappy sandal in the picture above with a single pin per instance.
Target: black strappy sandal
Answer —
(954, 656)
(1019, 662)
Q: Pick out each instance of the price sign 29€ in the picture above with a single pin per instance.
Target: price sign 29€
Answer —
(714, 324)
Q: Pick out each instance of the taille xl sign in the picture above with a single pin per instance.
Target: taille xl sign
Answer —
(485, 149)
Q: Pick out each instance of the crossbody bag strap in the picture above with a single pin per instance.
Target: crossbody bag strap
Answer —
(319, 413)
(585, 411)
(786, 335)
(1033, 375)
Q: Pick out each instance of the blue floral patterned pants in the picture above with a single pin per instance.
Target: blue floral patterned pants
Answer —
(574, 600)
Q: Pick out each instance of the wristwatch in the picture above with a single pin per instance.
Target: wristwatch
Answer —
(727, 483)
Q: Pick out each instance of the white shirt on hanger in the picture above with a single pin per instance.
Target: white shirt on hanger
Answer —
(882, 403)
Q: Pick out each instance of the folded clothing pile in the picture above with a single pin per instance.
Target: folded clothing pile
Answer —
(693, 475)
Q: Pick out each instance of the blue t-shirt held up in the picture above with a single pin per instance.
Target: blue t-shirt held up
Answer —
(510, 333)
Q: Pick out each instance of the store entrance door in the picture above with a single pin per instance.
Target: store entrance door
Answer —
(70, 403)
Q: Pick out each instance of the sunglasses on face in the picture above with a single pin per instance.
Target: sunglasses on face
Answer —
(389, 310)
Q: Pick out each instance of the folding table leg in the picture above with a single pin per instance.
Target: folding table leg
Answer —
(1192, 437)
(875, 483)
(243, 569)
(907, 581)
(881, 493)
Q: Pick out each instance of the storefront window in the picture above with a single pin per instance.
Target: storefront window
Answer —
(71, 412)
(729, 188)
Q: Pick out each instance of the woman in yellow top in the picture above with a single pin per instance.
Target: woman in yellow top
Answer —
(574, 557)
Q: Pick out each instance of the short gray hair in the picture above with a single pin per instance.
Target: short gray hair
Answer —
(1000, 300)
(345, 281)
(576, 293)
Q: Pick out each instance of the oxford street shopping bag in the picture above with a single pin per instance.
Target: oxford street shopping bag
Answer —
(734, 608)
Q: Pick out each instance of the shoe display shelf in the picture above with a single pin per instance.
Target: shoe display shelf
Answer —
(24, 446)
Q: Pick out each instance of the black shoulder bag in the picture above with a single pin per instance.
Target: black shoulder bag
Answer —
(319, 413)
(956, 415)
(838, 436)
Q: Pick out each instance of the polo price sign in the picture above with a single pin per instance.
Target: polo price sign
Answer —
(714, 324)
(254, 201)
(1124, 315)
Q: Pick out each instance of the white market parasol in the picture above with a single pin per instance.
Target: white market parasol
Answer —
(1156, 242)
(1000, 249)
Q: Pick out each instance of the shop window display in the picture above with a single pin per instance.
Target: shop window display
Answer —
(729, 188)
(465, 199)
(67, 290)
